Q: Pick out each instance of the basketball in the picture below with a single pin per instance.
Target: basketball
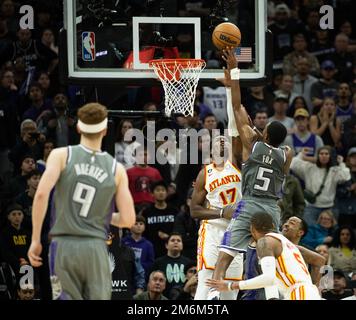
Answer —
(226, 35)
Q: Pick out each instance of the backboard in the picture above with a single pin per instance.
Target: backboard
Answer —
(113, 40)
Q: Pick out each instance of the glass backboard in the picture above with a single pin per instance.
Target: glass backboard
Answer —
(113, 40)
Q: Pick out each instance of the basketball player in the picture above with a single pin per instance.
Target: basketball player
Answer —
(281, 262)
(86, 182)
(263, 169)
(219, 185)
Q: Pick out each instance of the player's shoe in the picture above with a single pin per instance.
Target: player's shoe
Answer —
(213, 294)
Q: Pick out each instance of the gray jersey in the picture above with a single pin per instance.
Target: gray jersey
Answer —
(84, 194)
(262, 173)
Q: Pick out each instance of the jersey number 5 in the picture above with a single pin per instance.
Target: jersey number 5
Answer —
(301, 262)
(223, 195)
(260, 177)
(84, 194)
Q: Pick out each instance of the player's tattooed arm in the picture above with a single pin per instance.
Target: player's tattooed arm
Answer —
(197, 208)
(315, 260)
(268, 246)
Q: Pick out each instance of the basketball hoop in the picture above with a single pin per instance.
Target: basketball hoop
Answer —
(179, 78)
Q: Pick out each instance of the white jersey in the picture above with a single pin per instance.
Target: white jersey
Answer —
(223, 187)
(293, 277)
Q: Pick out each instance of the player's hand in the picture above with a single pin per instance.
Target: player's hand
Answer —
(229, 211)
(219, 285)
(230, 58)
(34, 254)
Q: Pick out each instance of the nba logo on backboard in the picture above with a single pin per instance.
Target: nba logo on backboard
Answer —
(88, 46)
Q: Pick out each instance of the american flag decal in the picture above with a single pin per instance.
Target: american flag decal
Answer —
(244, 54)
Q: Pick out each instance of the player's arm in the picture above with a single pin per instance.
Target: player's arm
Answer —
(126, 216)
(197, 209)
(243, 123)
(315, 260)
(233, 132)
(268, 249)
(54, 165)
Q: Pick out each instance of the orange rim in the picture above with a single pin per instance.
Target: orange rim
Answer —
(183, 62)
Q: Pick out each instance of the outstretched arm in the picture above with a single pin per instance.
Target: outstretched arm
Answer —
(247, 134)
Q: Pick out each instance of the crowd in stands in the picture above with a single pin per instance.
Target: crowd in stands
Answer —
(313, 93)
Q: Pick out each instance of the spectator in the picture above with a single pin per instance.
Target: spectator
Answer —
(128, 275)
(349, 132)
(142, 247)
(303, 81)
(173, 264)
(286, 89)
(326, 86)
(215, 99)
(322, 231)
(47, 148)
(342, 254)
(342, 59)
(7, 11)
(300, 51)
(35, 54)
(8, 118)
(44, 80)
(353, 278)
(346, 194)
(321, 179)
(326, 124)
(191, 283)
(292, 202)
(141, 176)
(322, 45)
(203, 109)
(57, 124)
(124, 145)
(160, 218)
(323, 249)
(26, 292)
(260, 120)
(298, 103)
(188, 228)
(258, 99)
(209, 122)
(25, 199)
(47, 40)
(6, 36)
(155, 287)
(31, 143)
(280, 106)
(283, 29)
(15, 239)
(344, 108)
(302, 138)
(339, 290)
(18, 184)
(38, 103)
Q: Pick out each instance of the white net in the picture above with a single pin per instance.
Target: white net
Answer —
(179, 78)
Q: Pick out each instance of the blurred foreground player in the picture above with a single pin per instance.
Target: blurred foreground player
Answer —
(281, 262)
(86, 182)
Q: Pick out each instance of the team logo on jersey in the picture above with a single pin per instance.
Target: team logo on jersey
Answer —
(88, 46)
(210, 170)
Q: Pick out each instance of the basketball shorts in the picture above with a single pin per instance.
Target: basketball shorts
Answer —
(302, 291)
(210, 237)
(238, 235)
(83, 269)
